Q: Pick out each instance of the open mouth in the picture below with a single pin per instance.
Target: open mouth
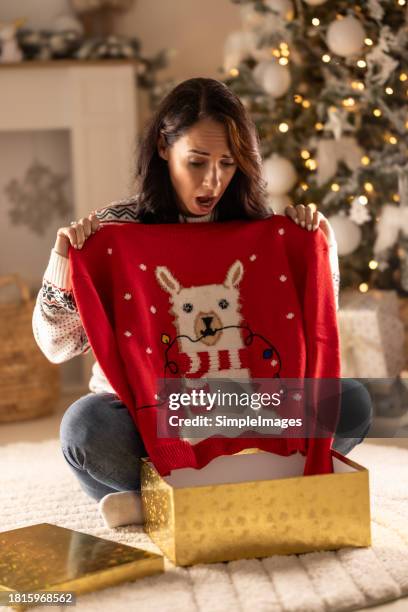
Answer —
(205, 202)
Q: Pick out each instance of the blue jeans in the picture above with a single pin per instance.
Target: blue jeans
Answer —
(102, 445)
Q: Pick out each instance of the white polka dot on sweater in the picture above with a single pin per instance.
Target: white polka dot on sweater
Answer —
(283, 278)
(143, 267)
(128, 333)
(149, 350)
(290, 315)
(281, 231)
(274, 362)
(153, 309)
(127, 296)
(109, 251)
(252, 258)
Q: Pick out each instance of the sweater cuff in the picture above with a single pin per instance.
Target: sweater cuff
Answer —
(58, 271)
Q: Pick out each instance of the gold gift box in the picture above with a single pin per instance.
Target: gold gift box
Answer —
(46, 557)
(255, 504)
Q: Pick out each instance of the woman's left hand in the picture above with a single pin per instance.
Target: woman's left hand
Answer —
(305, 217)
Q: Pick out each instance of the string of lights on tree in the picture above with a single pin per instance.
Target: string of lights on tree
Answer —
(326, 83)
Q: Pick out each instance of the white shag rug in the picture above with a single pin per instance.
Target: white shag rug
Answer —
(37, 486)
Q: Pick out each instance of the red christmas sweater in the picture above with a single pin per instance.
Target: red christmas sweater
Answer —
(234, 299)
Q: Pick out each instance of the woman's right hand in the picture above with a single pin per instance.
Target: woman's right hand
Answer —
(76, 234)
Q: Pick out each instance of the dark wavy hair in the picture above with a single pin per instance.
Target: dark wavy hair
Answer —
(189, 102)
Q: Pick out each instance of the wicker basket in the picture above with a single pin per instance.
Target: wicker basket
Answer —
(29, 383)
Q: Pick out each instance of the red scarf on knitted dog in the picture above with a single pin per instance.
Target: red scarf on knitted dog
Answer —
(235, 299)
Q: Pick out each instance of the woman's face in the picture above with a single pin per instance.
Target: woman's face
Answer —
(200, 166)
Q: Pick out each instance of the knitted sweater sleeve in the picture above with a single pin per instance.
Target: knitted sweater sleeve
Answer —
(323, 349)
(56, 322)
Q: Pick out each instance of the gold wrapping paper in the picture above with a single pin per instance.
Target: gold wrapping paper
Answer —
(257, 518)
(46, 557)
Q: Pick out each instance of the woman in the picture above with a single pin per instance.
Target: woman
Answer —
(198, 161)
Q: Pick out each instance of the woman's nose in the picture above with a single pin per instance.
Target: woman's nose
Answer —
(212, 178)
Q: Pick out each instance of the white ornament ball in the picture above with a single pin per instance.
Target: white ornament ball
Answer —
(278, 203)
(348, 234)
(345, 37)
(314, 2)
(238, 45)
(284, 8)
(280, 175)
(274, 78)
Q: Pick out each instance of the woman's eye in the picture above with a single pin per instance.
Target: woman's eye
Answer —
(223, 304)
(225, 164)
(187, 307)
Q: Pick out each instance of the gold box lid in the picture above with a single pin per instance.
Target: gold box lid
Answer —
(48, 557)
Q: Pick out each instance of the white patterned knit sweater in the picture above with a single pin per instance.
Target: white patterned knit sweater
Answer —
(57, 326)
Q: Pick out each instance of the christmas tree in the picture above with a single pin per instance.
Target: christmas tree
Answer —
(326, 83)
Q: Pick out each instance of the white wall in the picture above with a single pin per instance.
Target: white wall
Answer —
(195, 28)
(39, 13)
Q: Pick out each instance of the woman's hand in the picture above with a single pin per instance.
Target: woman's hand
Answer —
(304, 216)
(76, 233)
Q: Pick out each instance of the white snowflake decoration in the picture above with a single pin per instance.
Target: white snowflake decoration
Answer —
(359, 212)
(252, 258)
(127, 296)
(153, 309)
(375, 9)
(281, 231)
(380, 65)
(283, 278)
(128, 333)
(143, 267)
(109, 251)
(290, 315)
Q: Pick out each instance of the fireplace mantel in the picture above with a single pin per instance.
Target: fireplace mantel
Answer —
(96, 102)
